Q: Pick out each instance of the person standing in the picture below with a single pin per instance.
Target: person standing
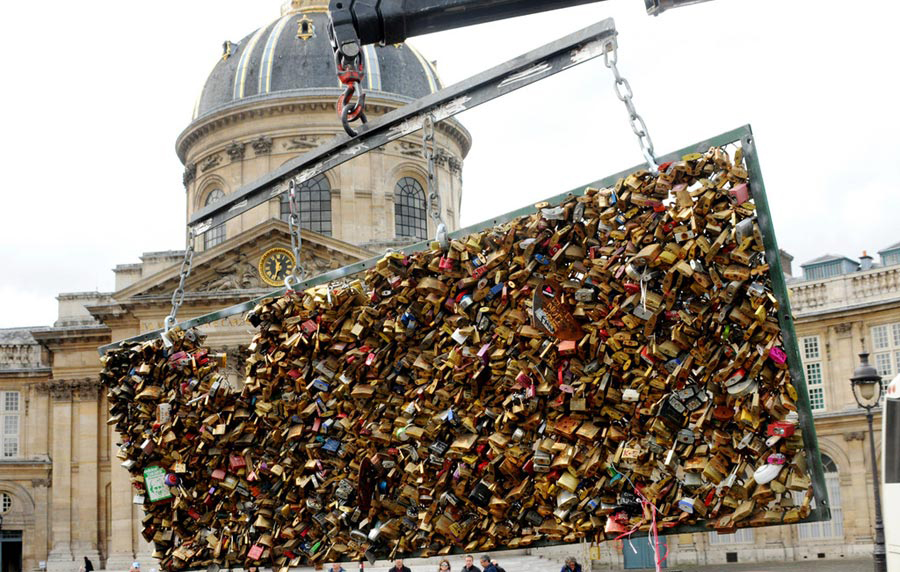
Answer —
(88, 566)
(486, 565)
(399, 567)
(336, 567)
(444, 565)
(469, 566)
(571, 565)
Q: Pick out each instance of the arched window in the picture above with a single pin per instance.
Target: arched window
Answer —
(315, 205)
(409, 208)
(835, 527)
(215, 235)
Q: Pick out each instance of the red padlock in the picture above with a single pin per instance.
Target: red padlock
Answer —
(781, 429)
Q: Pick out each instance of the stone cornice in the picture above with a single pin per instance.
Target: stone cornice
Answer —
(25, 372)
(299, 101)
(94, 334)
(84, 389)
(110, 314)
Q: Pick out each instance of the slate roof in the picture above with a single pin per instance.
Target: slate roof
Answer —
(273, 61)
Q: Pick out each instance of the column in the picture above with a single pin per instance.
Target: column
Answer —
(41, 492)
(858, 517)
(85, 494)
(61, 558)
(120, 553)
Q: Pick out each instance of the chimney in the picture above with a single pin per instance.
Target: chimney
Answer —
(786, 260)
(865, 261)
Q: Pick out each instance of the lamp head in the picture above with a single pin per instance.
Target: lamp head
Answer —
(866, 383)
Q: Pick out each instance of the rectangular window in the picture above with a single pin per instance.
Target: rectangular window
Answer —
(883, 364)
(823, 271)
(833, 528)
(886, 351)
(10, 423)
(740, 536)
(811, 347)
(812, 366)
(880, 337)
(890, 258)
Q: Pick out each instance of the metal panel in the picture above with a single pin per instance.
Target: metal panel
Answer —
(526, 69)
(744, 137)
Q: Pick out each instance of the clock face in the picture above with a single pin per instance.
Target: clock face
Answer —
(275, 265)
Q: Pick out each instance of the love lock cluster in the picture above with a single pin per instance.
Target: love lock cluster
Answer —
(606, 365)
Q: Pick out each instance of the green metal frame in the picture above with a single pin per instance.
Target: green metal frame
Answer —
(742, 135)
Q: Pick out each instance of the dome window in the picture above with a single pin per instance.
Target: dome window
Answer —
(305, 28)
(315, 205)
(409, 208)
(215, 235)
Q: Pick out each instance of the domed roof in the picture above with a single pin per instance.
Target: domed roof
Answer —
(293, 54)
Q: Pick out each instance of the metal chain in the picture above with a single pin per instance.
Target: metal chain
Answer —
(432, 194)
(297, 274)
(351, 72)
(178, 295)
(624, 93)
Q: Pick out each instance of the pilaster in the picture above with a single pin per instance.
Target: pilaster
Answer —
(86, 534)
(61, 557)
(120, 553)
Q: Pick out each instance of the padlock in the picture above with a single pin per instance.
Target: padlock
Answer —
(501, 373)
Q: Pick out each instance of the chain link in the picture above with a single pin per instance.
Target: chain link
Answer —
(297, 273)
(178, 295)
(351, 72)
(432, 195)
(625, 95)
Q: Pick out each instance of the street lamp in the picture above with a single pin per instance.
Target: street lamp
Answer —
(866, 385)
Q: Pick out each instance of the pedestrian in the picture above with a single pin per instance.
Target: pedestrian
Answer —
(497, 566)
(486, 565)
(469, 566)
(572, 565)
(399, 567)
(88, 566)
(444, 565)
(135, 567)
(336, 567)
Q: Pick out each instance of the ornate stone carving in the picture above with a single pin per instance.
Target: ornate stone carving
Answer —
(86, 389)
(301, 143)
(443, 157)
(262, 146)
(241, 275)
(60, 390)
(190, 172)
(408, 149)
(854, 436)
(66, 389)
(35, 483)
(236, 151)
(843, 328)
(210, 162)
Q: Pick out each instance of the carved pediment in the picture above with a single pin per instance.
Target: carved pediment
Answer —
(234, 265)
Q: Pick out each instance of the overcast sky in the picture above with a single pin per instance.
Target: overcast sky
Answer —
(95, 93)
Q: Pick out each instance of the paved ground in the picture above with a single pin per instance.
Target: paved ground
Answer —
(809, 566)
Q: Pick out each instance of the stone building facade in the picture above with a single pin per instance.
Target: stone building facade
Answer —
(270, 98)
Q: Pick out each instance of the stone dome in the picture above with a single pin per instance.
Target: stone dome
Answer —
(292, 57)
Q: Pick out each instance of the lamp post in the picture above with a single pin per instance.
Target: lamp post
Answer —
(866, 385)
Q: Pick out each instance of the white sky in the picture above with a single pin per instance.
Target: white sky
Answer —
(95, 94)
